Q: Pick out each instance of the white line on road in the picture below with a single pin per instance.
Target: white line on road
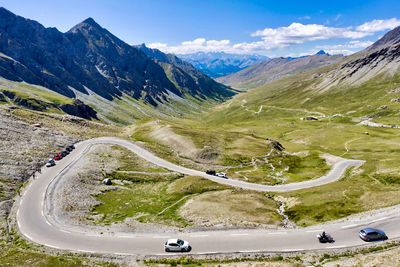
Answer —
(126, 236)
(314, 231)
(128, 254)
(380, 219)
(277, 233)
(249, 251)
(47, 245)
(349, 226)
(65, 231)
(86, 251)
(93, 235)
(292, 249)
(336, 247)
(160, 236)
(198, 235)
(239, 234)
(48, 222)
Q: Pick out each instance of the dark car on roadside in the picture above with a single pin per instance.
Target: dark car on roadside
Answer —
(70, 148)
(211, 172)
(63, 154)
(371, 234)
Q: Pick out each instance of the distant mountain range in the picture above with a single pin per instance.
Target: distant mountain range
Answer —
(89, 60)
(364, 85)
(217, 64)
(274, 69)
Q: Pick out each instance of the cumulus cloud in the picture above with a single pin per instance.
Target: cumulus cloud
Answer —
(349, 45)
(378, 25)
(281, 37)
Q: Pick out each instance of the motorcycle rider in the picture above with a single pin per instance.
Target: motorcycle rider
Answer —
(323, 235)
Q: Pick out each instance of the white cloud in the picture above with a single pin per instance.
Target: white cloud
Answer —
(349, 45)
(305, 17)
(378, 25)
(338, 16)
(281, 37)
(197, 45)
(297, 33)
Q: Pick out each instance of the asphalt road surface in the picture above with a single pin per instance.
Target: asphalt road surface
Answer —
(35, 223)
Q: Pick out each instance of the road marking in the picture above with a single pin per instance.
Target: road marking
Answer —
(349, 226)
(94, 235)
(198, 235)
(381, 219)
(18, 213)
(336, 247)
(127, 236)
(42, 212)
(314, 231)
(86, 251)
(239, 234)
(160, 254)
(159, 236)
(65, 231)
(47, 245)
(292, 249)
(48, 222)
(249, 251)
(19, 226)
(278, 233)
(22, 201)
(209, 252)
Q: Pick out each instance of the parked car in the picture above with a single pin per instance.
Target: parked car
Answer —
(222, 175)
(58, 157)
(64, 154)
(70, 148)
(370, 234)
(177, 245)
(211, 172)
(50, 163)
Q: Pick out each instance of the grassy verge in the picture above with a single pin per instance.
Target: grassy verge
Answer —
(151, 198)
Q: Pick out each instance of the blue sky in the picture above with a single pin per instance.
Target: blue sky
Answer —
(273, 28)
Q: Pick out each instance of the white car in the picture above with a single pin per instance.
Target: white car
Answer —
(50, 163)
(177, 245)
(222, 175)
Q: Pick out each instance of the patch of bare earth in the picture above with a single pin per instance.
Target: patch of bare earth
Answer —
(231, 208)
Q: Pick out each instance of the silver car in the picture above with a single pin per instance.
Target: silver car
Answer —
(50, 163)
(177, 245)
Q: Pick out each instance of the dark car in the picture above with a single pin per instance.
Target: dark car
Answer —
(211, 172)
(63, 154)
(70, 148)
(370, 234)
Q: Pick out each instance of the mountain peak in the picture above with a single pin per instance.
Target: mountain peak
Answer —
(89, 22)
(321, 52)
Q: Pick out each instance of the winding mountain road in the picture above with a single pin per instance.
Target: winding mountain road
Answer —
(35, 222)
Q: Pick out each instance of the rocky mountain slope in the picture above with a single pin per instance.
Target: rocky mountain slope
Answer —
(216, 64)
(89, 60)
(274, 69)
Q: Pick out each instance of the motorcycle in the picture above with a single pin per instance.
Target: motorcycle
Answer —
(325, 238)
